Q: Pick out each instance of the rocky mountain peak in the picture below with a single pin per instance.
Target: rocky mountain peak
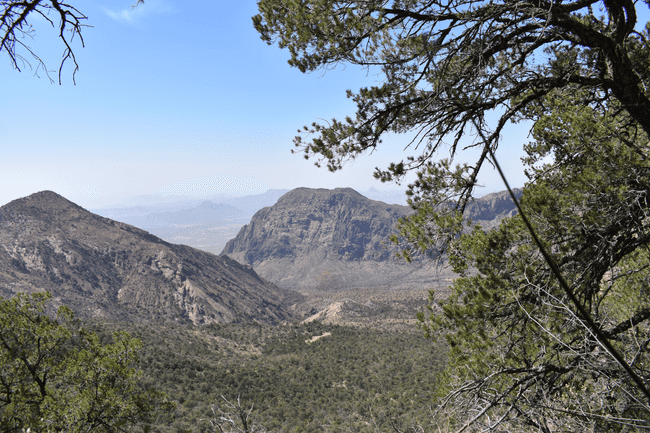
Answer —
(492, 208)
(338, 238)
(337, 223)
(310, 235)
(300, 196)
(42, 204)
(100, 267)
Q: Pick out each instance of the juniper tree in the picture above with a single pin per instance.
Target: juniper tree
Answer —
(55, 376)
(522, 355)
(527, 350)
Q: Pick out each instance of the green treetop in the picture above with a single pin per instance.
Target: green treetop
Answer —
(522, 355)
(54, 376)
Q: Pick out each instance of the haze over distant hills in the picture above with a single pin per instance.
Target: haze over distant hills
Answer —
(160, 212)
(103, 268)
(206, 223)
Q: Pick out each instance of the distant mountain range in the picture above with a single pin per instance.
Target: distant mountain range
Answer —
(184, 212)
(206, 225)
(205, 212)
(210, 223)
(104, 268)
(308, 239)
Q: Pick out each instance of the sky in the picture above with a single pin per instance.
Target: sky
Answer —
(180, 97)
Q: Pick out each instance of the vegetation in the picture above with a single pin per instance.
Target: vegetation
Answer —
(548, 327)
(523, 354)
(354, 379)
(56, 376)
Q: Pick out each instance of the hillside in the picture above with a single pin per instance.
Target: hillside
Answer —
(490, 209)
(311, 377)
(103, 268)
(325, 239)
(338, 239)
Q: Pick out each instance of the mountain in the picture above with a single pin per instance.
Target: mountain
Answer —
(390, 197)
(104, 268)
(327, 239)
(489, 210)
(206, 212)
(339, 239)
(250, 204)
(166, 213)
(352, 226)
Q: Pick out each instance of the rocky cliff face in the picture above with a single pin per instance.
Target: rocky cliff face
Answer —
(337, 239)
(319, 238)
(490, 209)
(100, 267)
(341, 223)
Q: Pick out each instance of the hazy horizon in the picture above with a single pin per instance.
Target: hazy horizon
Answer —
(157, 198)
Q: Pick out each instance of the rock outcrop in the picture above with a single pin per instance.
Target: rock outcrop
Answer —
(338, 239)
(341, 223)
(104, 268)
(327, 239)
(490, 209)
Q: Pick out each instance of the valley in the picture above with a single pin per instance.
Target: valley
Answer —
(358, 379)
(305, 315)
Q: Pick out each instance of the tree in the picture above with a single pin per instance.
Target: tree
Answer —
(447, 66)
(522, 356)
(543, 336)
(55, 376)
(232, 417)
(15, 29)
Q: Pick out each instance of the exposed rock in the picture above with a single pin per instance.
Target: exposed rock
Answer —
(340, 223)
(337, 239)
(101, 267)
(490, 209)
(325, 239)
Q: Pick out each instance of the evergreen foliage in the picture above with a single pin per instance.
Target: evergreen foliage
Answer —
(522, 354)
(355, 379)
(55, 376)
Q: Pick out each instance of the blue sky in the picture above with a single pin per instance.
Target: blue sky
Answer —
(179, 96)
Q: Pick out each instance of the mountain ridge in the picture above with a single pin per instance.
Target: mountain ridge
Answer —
(336, 239)
(320, 238)
(104, 268)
